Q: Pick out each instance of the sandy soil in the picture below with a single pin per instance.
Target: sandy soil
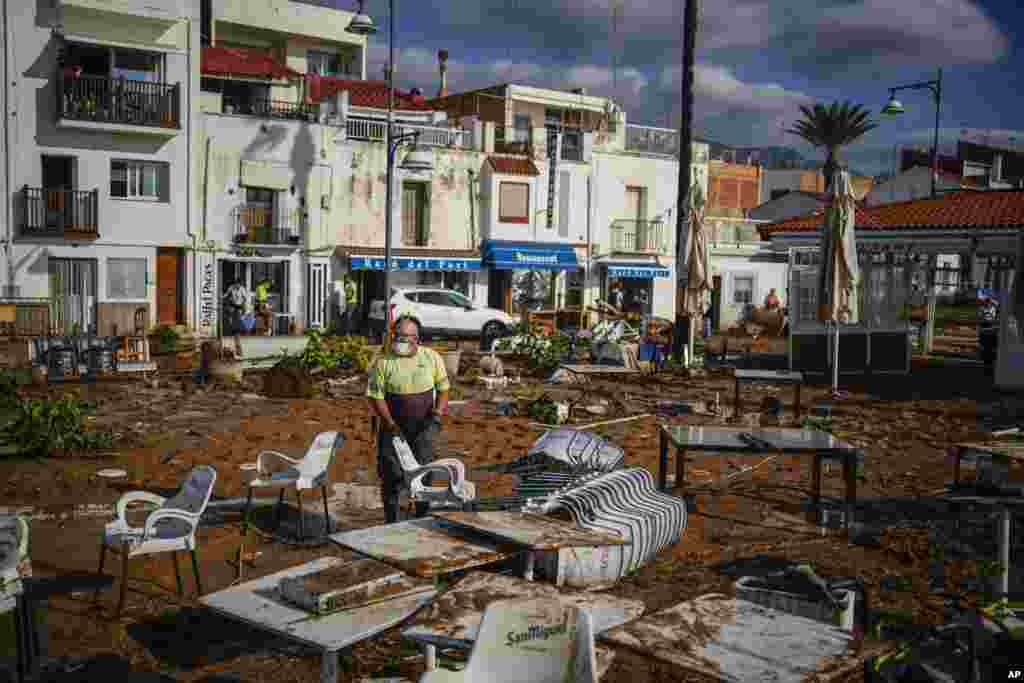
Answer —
(903, 423)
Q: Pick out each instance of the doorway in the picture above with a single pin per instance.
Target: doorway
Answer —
(169, 272)
(72, 295)
(499, 290)
(58, 181)
(414, 199)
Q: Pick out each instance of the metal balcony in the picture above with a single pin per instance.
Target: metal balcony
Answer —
(262, 225)
(430, 136)
(70, 214)
(639, 237)
(105, 103)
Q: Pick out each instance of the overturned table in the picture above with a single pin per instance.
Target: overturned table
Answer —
(821, 445)
(259, 603)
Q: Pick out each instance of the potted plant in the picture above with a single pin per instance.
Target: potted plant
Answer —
(166, 339)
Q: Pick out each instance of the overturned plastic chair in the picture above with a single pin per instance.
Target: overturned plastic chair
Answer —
(301, 475)
(528, 642)
(168, 529)
(457, 492)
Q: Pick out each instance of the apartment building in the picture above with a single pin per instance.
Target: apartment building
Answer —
(98, 99)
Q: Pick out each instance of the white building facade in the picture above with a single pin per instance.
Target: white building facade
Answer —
(99, 117)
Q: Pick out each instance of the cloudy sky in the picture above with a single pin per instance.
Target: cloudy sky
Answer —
(757, 61)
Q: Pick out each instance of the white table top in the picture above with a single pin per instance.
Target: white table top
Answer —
(257, 603)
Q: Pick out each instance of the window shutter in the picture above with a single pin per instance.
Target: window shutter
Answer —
(425, 218)
(563, 204)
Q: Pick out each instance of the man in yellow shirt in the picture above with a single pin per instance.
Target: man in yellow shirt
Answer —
(408, 391)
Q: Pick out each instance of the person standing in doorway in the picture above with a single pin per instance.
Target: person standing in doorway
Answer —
(771, 302)
(350, 307)
(237, 298)
(408, 392)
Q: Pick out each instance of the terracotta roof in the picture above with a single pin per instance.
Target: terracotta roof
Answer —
(371, 94)
(242, 61)
(960, 209)
(513, 166)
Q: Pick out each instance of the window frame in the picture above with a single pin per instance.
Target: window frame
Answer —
(111, 295)
(134, 182)
(734, 278)
(518, 219)
(320, 55)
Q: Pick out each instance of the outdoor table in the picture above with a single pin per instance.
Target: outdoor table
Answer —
(426, 547)
(733, 640)
(447, 624)
(769, 377)
(258, 604)
(531, 531)
(1005, 506)
(822, 445)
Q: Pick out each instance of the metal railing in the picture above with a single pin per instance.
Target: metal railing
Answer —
(431, 136)
(652, 140)
(511, 141)
(118, 100)
(636, 236)
(60, 213)
(263, 225)
(270, 109)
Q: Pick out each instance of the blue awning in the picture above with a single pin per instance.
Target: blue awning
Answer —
(638, 270)
(502, 255)
(414, 263)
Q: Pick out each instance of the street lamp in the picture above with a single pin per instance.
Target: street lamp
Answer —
(894, 107)
(417, 160)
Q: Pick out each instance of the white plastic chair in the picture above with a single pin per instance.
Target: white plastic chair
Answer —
(457, 491)
(528, 642)
(168, 529)
(302, 475)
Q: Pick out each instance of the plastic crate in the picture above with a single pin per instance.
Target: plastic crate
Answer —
(800, 605)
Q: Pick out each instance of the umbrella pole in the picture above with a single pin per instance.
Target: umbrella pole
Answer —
(835, 362)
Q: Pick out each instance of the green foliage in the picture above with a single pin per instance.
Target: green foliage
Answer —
(543, 409)
(542, 352)
(822, 424)
(8, 391)
(166, 337)
(331, 352)
(41, 427)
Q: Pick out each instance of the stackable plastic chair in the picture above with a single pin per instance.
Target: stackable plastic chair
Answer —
(168, 529)
(528, 642)
(456, 492)
(302, 475)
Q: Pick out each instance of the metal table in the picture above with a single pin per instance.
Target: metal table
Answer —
(822, 445)
(531, 531)
(733, 640)
(257, 603)
(426, 547)
(446, 623)
(769, 377)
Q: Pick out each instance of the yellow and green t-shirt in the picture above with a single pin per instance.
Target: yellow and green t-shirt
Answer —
(412, 377)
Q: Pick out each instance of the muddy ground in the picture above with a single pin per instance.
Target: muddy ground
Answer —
(904, 424)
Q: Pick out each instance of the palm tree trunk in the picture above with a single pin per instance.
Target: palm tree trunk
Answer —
(831, 164)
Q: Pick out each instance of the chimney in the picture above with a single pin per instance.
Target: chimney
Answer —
(997, 168)
(442, 64)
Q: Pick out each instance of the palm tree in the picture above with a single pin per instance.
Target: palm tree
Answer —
(832, 127)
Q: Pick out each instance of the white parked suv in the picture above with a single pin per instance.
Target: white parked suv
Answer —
(442, 311)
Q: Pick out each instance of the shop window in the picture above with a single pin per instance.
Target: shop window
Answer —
(514, 203)
(141, 180)
(126, 278)
(743, 290)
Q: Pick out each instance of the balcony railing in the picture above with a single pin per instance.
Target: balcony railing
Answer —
(60, 213)
(270, 109)
(652, 140)
(263, 225)
(635, 236)
(369, 129)
(118, 100)
(511, 141)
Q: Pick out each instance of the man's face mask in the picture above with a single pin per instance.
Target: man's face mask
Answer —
(403, 345)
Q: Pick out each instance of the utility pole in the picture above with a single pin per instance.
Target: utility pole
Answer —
(683, 327)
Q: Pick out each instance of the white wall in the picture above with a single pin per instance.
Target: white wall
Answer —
(126, 228)
(759, 262)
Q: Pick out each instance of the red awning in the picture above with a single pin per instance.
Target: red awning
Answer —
(370, 94)
(243, 61)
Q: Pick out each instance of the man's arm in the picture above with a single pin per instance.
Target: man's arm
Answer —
(380, 407)
(441, 386)
(441, 403)
(375, 393)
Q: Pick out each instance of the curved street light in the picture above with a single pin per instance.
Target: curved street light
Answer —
(417, 160)
(894, 108)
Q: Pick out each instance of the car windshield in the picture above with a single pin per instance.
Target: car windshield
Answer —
(460, 300)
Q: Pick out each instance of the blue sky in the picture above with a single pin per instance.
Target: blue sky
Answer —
(757, 61)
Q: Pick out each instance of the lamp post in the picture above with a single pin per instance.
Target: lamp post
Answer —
(416, 160)
(894, 107)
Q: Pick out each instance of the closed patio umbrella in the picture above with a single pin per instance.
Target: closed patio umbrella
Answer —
(697, 259)
(839, 276)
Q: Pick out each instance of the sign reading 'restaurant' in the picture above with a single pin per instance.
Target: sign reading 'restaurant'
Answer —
(535, 258)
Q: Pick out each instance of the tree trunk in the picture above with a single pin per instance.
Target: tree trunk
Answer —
(831, 164)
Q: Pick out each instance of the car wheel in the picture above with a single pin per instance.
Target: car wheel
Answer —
(489, 333)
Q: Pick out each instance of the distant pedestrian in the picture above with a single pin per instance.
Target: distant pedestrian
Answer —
(771, 302)
(350, 306)
(237, 298)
